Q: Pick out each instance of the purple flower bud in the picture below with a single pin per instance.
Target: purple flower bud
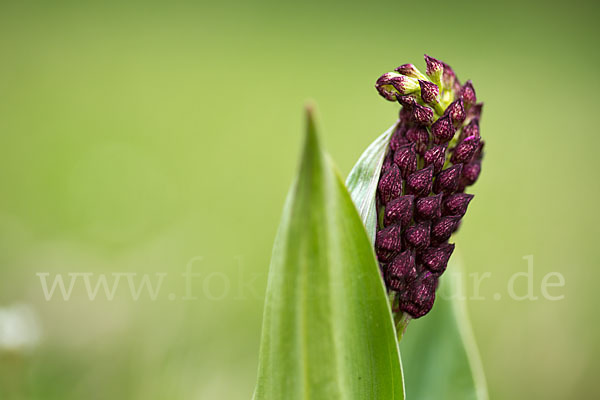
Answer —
(428, 208)
(479, 153)
(410, 70)
(407, 101)
(389, 238)
(403, 267)
(387, 163)
(467, 93)
(471, 172)
(406, 159)
(422, 115)
(398, 138)
(419, 183)
(472, 129)
(405, 85)
(457, 204)
(442, 129)
(456, 111)
(435, 68)
(390, 184)
(436, 259)
(447, 180)
(400, 130)
(391, 84)
(465, 150)
(436, 156)
(405, 115)
(449, 78)
(442, 229)
(385, 88)
(417, 236)
(399, 210)
(430, 92)
(384, 256)
(475, 111)
(419, 135)
(399, 285)
(418, 299)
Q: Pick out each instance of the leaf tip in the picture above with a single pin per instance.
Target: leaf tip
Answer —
(311, 141)
(309, 109)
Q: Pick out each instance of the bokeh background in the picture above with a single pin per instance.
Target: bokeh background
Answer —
(143, 137)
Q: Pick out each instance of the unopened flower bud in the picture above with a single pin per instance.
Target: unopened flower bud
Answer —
(430, 92)
(390, 184)
(435, 69)
(405, 115)
(403, 266)
(417, 236)
(442, 129)
(456, 111)
(411, 71)
(472, 129)
(398, 285)
(385, 88)
(406, 159)
(420, 137)
(387, 163)
(447, 180)
(449, 79)
(436, 156)
(402, 271)
(428, 208)
(420, 296)
(384, 256)
(391, 84)
(467, 93)
(465, 150)
(457, 204)
(475, 111)
(419, 183)
(436, 259)
(442, 229)
(405, 85)
(407, 101)
(399, 139)
(471, 172)
(422, 115)
(479, 153)
(399, 210)
(389, 238)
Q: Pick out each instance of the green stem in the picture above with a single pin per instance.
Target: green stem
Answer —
(380, 217)
(401, 325)
(439, 109)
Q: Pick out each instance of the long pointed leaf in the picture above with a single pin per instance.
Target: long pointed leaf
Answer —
(327, 330)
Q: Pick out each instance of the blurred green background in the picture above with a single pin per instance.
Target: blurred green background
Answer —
(143, 137)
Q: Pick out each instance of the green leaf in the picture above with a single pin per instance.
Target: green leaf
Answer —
(363, 179)
(327, 329)
(440, 357)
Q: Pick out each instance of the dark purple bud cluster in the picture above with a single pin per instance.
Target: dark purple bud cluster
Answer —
(434, 154)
